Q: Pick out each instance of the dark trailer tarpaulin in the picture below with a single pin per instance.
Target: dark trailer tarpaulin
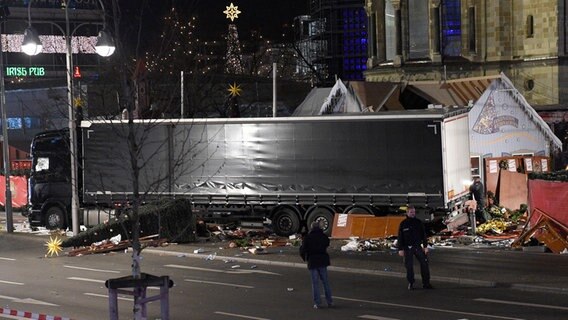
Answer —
(387, 156)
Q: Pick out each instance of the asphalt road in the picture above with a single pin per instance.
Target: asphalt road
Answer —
(224, 288)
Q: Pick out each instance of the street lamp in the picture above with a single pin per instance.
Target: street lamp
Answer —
(4, 13)
(104, 47)
(31, 45)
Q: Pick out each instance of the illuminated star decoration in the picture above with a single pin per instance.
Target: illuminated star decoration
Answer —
(234, 90)
(53, 246)
(232, 12)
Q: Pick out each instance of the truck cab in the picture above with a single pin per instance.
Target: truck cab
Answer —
(49, 185)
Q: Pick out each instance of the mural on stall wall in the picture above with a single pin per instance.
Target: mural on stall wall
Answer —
(489, 121)
(500, 124)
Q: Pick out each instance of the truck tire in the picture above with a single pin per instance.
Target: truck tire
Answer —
(358, 210)
(324, 215)
(285, 222)
(54, 218)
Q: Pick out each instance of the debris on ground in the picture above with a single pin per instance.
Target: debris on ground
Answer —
(115, 244)
(356, 244)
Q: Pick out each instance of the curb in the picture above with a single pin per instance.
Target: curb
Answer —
(30, 315)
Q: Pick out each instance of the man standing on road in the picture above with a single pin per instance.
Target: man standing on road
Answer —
(412, 242)
(478, 194)
(314, 250)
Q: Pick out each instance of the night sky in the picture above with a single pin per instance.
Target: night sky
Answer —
(267, 16)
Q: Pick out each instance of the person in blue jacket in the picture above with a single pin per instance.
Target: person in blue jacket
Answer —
(412, 242)
(314, 251)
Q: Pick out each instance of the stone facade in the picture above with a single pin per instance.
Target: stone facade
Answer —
(525, 39)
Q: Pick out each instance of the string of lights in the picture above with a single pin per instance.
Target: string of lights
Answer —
(51, 43)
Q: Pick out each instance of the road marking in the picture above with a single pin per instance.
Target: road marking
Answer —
(91, 269)
(34, 301)
(232, 271)
(103, 281)
(376, 317)
(11, 282)
(7, 259)
(86, 279)
(547, 306)
(220, 283)
(427, 308)
(239, 315)
(106, 296)
(28, 300)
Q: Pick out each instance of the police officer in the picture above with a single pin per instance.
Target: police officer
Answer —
(412, 242)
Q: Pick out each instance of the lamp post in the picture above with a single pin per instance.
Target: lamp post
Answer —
(104, 47)
(4, 12)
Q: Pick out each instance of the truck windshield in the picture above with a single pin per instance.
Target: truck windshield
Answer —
(50, 157)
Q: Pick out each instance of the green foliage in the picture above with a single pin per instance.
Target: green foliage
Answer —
(170, 219)
(517, 214)
(561, 175)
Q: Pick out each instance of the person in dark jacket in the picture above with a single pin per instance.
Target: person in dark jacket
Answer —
(478, 194)
(412, 242)
(314, 251)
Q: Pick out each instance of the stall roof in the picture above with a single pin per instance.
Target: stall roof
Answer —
(337, 99)
(312, 103)
(378, 96)
(458, 92)
(531, 112)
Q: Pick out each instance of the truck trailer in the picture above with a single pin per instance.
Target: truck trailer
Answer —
(287, 171)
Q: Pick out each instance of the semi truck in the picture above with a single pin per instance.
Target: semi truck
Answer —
(285, 171)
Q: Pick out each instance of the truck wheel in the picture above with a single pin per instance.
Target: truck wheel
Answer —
(323, 215)
(358, 210)
(54, 218)
(285, 222)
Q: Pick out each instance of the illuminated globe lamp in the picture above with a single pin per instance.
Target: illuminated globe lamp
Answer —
(31, 44)
(105, 45)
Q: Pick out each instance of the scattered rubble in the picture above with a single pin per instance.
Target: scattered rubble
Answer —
(505, 229)
(115, 244)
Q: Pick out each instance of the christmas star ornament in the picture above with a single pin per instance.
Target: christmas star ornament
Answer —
(234, 89)
(232, 12)
(53, 246)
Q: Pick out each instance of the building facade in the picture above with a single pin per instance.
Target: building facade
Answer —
(414, 40)
(336, 39)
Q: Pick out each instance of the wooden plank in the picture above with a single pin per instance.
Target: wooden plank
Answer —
(365, 226)
(513, 189)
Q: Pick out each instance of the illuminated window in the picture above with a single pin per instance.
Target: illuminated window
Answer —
(354, 43)
(14, 123)
(32, 123)
(451, 28)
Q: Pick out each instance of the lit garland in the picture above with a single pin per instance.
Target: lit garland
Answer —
(51, 44)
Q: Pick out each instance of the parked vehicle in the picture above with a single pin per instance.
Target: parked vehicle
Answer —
(291, 171)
